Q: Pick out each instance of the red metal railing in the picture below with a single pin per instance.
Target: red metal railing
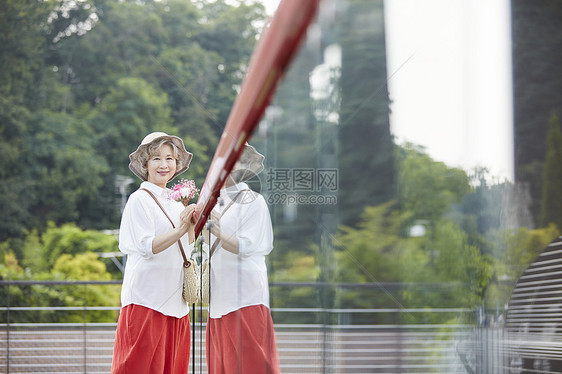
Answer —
(269, 60)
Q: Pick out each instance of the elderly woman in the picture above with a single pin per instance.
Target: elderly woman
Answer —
(153, 331)
(240, 335)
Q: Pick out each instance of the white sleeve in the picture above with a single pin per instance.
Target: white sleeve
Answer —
(137, 229)
(255, 233)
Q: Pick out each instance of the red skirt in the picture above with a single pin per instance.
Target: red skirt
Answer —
(242, 342)
(148, 342)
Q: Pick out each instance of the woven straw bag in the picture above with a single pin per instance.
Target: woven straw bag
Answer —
(190, 282)
(205, 289)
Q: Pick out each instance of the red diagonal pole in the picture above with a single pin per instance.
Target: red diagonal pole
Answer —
(270, 59)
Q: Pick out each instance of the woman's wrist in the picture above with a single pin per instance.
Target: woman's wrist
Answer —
(217, 232)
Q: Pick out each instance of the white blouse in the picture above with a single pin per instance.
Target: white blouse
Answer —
(152, 280)
(240, 280)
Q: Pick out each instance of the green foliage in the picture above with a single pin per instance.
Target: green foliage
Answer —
(373, 250)
(551, 204)
(64, 253)
(84, 82)
(481, 210)
(537, 89)
(294, 266)
(63, 167)
(365, 153)
(514, 250)
(83, 266)
(131, 109)
(38, 253)
(428, 188)
(86, 266)
(40, 296)
(378, 251)
(71, 240)
(454, 260)
(32, 256)
(22, 41)
(230, 32)
(187, 75)
(522, 246)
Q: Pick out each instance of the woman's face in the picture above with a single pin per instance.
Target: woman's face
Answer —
(161, 166)
(229, 181)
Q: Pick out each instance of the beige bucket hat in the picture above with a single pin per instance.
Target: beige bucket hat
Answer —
(248, 165)
(136, 165)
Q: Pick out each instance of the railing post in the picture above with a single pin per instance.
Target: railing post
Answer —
(8, 330)
(85, 319)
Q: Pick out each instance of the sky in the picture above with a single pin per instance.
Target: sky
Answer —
(449, 80)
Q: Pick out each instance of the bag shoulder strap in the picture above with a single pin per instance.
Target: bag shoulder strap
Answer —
(217, 242)
(234, 200)
(186, 262)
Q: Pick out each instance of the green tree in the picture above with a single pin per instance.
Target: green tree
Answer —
(127, 34)
(86, 266)
(428, 188)
(23, 40)
(187, 75)
(365, 154)
(514, 250)
(64, 253)
(481, 209)
(455, 260)
(70, 239)
(63, 167)
(81, 266)
(439, 269)
(537, 91)
(551, 198)
(28, 30)
(130, 110)
(26, 295)
(372, 251)
(232, 33)
(522, 246)
(83, 82)
(294, 266)
(32, 258)
(40, 251)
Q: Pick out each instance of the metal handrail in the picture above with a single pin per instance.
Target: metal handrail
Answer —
(86, 346)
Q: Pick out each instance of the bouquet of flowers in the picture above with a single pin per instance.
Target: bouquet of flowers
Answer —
(184, 191)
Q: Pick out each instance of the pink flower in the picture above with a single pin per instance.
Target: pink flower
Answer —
(184, 191)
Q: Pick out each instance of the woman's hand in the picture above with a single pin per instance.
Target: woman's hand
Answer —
(186, 226)
(229, 243)
(186, 215)
(216, 226)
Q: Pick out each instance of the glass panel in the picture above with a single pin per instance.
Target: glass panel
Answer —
(404, 208)
(411, 175)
